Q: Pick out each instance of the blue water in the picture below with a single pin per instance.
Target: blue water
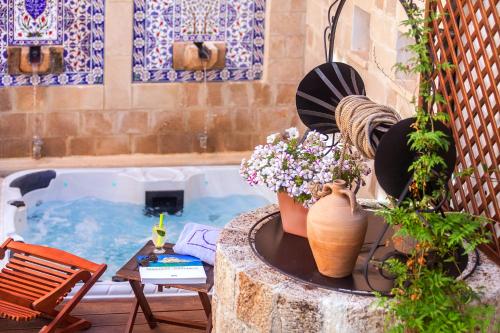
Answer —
(109, 232)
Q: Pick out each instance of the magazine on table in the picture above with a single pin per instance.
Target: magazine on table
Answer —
(172, 269)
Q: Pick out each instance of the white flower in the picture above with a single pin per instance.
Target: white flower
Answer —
(284, 164)
(292, 133)
(271, 138)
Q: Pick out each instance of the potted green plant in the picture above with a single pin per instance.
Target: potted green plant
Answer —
(293, 168)
(425, 297)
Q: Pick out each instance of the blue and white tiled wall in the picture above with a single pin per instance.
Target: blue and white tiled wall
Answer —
(160, 23)
(122, 114)
(78, 26)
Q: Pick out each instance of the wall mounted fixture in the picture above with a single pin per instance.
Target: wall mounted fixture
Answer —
(35, 60)
(199, 55)
(159, 25)
(74, 28)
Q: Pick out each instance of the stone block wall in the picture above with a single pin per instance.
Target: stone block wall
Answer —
(369, 38)
(119, 117)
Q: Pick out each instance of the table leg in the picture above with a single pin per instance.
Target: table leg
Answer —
(209, 324)
(207, 306)
(133, 315)
(143, 303)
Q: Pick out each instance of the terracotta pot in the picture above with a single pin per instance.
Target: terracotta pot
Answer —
(336, 228)
(293, 215)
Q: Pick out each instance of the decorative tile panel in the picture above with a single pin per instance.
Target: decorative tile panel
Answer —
(200, 20)
(160, 23)
(35, 22)
(76, 25)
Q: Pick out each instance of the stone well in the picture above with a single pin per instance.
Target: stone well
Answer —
(250, 296)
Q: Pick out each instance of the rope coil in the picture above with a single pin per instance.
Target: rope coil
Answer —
(363, 122)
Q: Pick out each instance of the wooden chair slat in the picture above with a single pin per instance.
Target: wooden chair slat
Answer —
(49, 284)
(26, 282)
(20, 289)
(17, 312)
(45, 263)
(31, 272)
(20, 265)
(18, 293)
(12, 314)
(22, 286)
(37, 278)
(55, 255)
(33, 267)
(11, 297)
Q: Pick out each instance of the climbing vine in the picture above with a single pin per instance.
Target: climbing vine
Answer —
(425, 297)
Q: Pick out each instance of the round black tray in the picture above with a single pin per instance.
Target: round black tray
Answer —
(292, 256)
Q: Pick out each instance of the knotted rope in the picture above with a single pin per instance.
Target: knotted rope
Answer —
(362, 122)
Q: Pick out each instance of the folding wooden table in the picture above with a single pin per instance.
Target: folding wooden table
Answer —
(130, 272)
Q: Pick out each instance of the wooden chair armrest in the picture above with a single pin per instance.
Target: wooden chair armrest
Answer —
(49, 301)
(3, 247)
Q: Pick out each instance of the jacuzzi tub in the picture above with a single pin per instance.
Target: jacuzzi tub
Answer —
(22, 191)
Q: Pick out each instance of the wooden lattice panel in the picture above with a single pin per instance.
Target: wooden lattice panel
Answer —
(466, 34)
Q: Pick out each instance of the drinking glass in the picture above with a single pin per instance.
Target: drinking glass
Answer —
(159, 236)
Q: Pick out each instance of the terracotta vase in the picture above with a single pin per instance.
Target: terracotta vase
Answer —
(336, 228)
(293, 215)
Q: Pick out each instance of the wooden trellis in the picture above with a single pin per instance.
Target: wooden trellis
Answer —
(466, 34)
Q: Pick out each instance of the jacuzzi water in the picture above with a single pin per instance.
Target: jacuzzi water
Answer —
(98, 213)
(111, 232)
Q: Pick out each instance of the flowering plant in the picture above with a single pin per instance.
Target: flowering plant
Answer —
(285, 164)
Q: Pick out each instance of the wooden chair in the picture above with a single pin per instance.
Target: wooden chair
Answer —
(37, 278)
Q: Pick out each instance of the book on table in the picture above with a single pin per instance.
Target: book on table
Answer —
(173, 269)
